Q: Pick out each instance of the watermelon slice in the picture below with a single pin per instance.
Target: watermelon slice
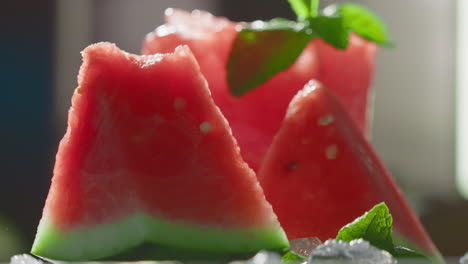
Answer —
(320, 173)
(148, 169)
(349, 75)
(254, 129)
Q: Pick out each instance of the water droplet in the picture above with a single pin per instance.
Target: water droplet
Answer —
(169, 12)
(304, 246)
(196, 13)
(308, 88)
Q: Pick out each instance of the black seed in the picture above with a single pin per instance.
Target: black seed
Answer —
(292, 166)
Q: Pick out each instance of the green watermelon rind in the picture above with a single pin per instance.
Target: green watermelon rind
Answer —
(185, 240)
(402, 241)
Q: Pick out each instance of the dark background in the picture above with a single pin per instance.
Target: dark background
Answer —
(31, 127)
(27, 140)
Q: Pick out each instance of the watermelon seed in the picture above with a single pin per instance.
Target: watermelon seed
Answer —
(138, 139)
(292, 166)
(158, 119)
(331, 152)
(325, 120)
(179, 104)
(205, 127)
(78, 90)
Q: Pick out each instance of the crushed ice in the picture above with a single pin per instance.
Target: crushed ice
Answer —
(355, 252)
(24, 259)
(464, 259)
(263, 257)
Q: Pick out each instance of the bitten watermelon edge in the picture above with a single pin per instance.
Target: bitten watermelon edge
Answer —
(149, 161)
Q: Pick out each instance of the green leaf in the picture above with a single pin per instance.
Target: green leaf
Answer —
(301, 8)
(263, 49)
(402, 252)
(332, 29)
(314, 7)
(292, 258)
(374, 226)
(361, 20)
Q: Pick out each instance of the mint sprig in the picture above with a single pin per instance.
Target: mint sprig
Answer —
(305, 8)
(301, 8)
(332, 29)
(361, 20)
(375, 226)
(261, 50)
(292, 258)
(253, 61)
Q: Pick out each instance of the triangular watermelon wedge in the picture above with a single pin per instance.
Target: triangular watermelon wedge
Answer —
(355, 69)
(148, 162)
(321, 173)
(256, 116)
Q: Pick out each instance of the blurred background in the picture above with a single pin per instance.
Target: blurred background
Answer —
(419, 125)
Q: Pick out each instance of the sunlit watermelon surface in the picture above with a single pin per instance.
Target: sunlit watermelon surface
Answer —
(157, 159)
(319, 195)
(148, 159)
(320, 173)
(256, 117)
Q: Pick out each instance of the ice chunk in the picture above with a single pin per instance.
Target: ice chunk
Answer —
(25, 259)
(303, 246)
(355, 252)
(464, 259)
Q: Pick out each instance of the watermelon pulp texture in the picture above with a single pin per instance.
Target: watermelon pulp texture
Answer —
(256, 117)
(148, 159)
(320, 173)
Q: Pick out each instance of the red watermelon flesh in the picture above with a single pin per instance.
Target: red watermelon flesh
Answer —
(149, 158)
(255, 117)
(349, 75)
(211, 38)
(320, 173)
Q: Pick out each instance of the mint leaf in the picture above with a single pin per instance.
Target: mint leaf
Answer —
(301, 8)
(292, 258)
(305, 8)
(402, 252)
(361, 20)
(314, 7)
(374, 226)
(332, 29)
(263, 49)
